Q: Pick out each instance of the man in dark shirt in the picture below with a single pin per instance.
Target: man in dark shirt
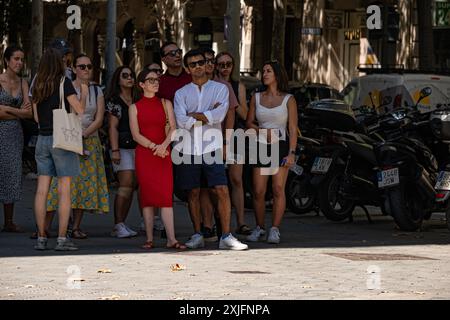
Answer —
(175, 76)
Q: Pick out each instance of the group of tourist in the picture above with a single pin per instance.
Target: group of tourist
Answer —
(144, 114)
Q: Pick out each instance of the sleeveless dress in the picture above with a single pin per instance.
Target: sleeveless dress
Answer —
(11, 147)
(154, 174)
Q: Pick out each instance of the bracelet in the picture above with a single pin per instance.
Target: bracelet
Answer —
(115, 150)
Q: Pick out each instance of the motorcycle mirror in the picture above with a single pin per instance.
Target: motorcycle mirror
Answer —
(425, 92)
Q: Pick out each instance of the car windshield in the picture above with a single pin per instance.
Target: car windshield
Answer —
(306, 94)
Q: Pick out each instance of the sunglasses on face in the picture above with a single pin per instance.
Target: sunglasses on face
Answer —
(224, 65)
(199, 63)
(84, 66)
(127, 76)
(155, 70)
(210, 61)
(152, 80)
(174, 52)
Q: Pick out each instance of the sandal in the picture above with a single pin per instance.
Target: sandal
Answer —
(147, 245)
(177, 246)
(244, 230)
(78, 234)
(14, 228)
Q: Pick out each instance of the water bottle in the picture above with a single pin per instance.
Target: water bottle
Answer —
(298, 170)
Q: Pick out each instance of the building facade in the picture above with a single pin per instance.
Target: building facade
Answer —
(320, 41)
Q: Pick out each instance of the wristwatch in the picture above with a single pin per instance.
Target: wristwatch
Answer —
(292, 151)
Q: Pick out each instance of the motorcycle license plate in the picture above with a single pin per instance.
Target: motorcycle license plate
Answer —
(443, 181)
(387, 178)
(321, 165)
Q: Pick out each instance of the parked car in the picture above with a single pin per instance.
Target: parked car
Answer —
(306, 93)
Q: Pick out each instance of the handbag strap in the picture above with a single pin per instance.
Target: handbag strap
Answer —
(62, 104)
(165, 110)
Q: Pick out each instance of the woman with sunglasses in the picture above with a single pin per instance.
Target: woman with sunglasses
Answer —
(14, 105)
(274, 109)
(89, 189)
(148, 118)
(224, 69)
(121, 95)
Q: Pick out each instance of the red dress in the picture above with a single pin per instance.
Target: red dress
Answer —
(154, 174)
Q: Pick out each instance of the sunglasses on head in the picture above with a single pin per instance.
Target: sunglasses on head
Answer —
(152, 80)
(224, 65)
(84, 66)
(174, 52)
(155, 70)
(199, 63)
(127, 76)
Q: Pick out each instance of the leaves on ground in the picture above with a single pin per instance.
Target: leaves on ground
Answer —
(177, 267)
(104, 271)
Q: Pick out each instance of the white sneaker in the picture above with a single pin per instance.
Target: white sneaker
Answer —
(131, 231)
(195, 242)
(274, 235)
(256, 234)
(120, 231)
(231, 243)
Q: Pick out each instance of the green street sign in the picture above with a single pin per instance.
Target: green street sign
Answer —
(442, 14)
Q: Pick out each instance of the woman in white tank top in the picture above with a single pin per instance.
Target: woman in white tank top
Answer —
(275, 109)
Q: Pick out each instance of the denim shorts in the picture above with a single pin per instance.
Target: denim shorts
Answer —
(127, 160)
(190, 176)
(55, 162)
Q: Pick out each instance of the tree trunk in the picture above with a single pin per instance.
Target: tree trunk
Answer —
(278, 29)
(426, 44)
(37, 28)
(234, 40)
(297, 38)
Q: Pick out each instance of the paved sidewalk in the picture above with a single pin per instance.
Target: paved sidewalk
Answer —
(317, 259)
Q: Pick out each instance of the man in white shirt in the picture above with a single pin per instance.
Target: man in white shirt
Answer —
(200, 108)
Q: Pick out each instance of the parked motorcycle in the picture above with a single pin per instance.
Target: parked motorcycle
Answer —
(301, 196)
(439, 124)
(408, 168)
(345, 168)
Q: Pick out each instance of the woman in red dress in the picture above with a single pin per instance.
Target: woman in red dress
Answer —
(148, 119)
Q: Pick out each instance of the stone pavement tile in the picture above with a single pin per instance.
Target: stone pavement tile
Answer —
(299, 268)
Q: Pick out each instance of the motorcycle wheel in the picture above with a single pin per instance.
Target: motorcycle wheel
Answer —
(406, 208)
(333, 206)
(300, 197)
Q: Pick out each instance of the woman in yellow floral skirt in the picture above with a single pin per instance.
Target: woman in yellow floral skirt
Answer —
(89, 190)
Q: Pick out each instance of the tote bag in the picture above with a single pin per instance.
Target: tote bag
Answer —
(67, 132)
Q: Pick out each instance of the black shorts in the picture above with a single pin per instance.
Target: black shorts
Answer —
(189, 176)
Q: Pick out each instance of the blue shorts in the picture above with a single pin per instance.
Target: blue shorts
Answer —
(189, 176)
(55, 162)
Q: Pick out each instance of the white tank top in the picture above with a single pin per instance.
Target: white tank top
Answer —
(273, 117)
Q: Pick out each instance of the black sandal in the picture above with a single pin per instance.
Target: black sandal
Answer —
(244, 230)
